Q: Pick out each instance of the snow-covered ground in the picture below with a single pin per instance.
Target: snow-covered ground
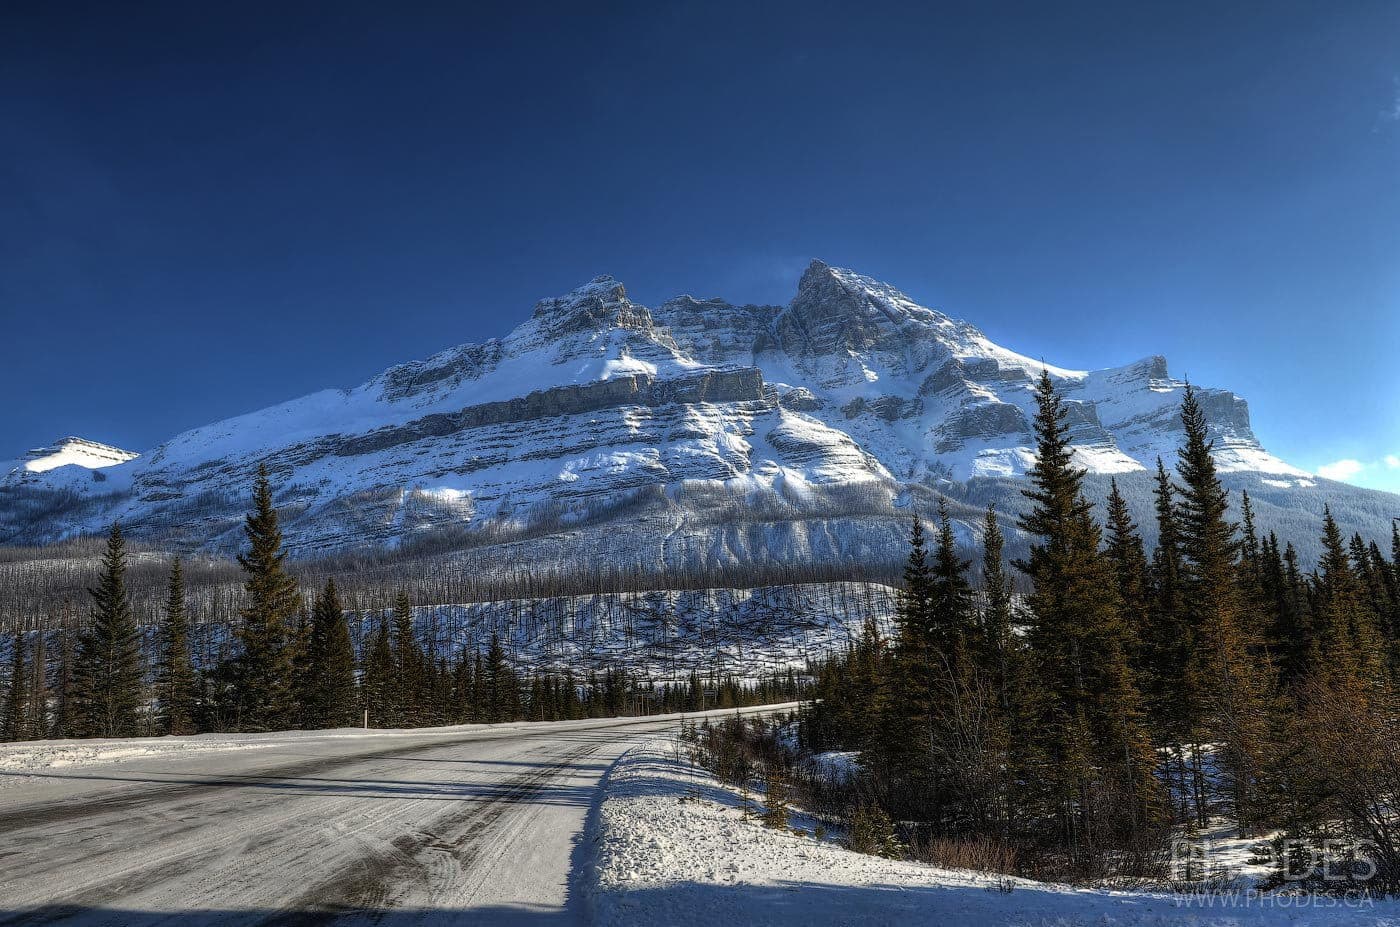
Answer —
(476, 824)
(673, 848)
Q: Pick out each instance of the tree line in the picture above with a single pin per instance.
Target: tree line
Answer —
(1130, 694)
(293, 665)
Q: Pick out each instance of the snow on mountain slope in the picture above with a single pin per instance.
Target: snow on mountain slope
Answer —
(851, 402)
(66, 461)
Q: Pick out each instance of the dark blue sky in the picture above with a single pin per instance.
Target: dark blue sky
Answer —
(208, 208)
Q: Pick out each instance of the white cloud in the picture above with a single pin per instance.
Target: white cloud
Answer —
(1342, 470)
(1392, 461)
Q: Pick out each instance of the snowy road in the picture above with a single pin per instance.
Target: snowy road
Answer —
(395, 828)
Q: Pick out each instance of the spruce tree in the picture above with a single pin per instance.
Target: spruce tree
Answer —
(997, 618)
(1227, 681)
(1296, 634)
(64, 707)
(330, 664)
(463, 689)
(1125, 551)
(1346, 637)
(1092, 730)
(377, 691)
(901, 751)
(107, 668)
(916, 595)
(16, 717)
(502, 697)
(176, 685)
(950, 612)
(265, 666)
(38, 716)
(409, 673)
(1167, 643)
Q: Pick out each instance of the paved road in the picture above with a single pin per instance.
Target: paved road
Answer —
(477, 826)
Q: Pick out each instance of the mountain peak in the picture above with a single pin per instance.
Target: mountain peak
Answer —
(602, 290)
(600, 303)
(92, 455)
(836, 309)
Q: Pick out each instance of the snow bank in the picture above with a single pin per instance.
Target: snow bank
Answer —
(42, 755)
(673, 848)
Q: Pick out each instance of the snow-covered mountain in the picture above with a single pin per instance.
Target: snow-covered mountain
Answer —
(714, 434)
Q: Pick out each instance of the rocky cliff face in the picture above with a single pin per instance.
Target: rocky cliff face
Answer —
(717, 434)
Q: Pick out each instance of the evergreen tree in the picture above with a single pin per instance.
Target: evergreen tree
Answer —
(997, 618)
(16, 719)
(1092, 732)
(950, 612)
(176, 685)
(330, 664)
(64, 708)
(107, 672)
(377, 692)
(1167, 644)
(902, 749)
(502, 694)
(1251, 567)
(1295, 634)
(916, 598)
(463, 690)
(265, 666)
(1227, 687)
(1346, 641)
(38, 718)
(408, 664)
(1126, 553)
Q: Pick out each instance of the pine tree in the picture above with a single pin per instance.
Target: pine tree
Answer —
(775, 797)
(1227, 681)
(915, 599)
(502, 696)
(408, 664)
(265, 666)
(1092, 732)
(1294, 633)
(107, 671)
(901, 749)
(950, 612)
(330, 664)
(1251, 567)
(1347, 641)
(38, 718)
(1125, 551)
(16, 718)
(1167, 641)
(377, 691)
(176, 685)
(64, 708)
(997, 617)
(463, 690)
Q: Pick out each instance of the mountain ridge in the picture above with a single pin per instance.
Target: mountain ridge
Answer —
(851, 402)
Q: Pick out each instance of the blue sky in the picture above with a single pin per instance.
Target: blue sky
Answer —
(205, 209)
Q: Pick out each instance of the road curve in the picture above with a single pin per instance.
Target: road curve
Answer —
(479, 824)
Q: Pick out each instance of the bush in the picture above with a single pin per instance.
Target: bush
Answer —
(871, 831)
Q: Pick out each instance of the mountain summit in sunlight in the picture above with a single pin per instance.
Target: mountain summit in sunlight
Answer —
(719, 434)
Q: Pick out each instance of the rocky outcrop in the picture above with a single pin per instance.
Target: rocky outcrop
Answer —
(734, 385)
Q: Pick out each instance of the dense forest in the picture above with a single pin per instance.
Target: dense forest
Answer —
(1132, 694)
